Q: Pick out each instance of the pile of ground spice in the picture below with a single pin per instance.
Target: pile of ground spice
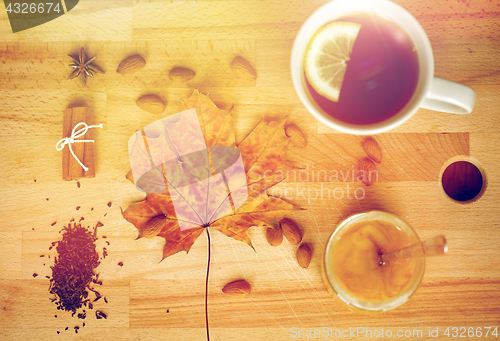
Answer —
(73, 270)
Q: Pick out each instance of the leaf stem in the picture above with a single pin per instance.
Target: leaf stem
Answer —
(206, 285)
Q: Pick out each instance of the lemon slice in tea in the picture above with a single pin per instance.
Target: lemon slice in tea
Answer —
(326, 56)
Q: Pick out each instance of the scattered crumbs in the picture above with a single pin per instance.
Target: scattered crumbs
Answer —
(48, 277)
(91, 208)
(58, 332)
(83, 324)
(35, 274)
(72, 220)
(42, 256)
(82, 218)
(99, 314)
(77, 208)
(43, 264)
(104, 237)
(99, 224)
(47, 199)
(109, 203)
(33, 228)
(105, 214)
(55, 316)
(55, 222)
(105, 300)
(78, 184)
(120, 264)
(49, 256)
(168, 311)
(66, 328)
(34, 180)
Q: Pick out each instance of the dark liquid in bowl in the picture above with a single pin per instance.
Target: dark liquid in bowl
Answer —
(381, 75)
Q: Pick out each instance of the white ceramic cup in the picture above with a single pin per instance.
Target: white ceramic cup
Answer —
(431, 92)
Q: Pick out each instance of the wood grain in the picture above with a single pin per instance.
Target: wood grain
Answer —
(459, 289)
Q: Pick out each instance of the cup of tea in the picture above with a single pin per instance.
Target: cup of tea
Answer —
(351, 264)
(366, 66)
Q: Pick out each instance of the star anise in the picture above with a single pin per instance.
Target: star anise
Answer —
(83, 67)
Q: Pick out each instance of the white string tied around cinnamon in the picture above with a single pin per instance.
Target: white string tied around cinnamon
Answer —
(73, 139)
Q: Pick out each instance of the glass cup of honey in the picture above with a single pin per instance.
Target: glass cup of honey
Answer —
(352, 269)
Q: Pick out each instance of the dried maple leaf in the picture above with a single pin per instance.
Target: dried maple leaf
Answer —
(263, 153)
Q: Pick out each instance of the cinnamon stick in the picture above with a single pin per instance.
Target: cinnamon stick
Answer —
(84, 151)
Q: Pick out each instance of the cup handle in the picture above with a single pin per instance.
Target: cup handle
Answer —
(448, 96)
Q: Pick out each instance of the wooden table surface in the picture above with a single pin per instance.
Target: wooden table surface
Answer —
(461, 289)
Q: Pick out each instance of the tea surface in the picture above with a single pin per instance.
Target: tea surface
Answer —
(381, 75)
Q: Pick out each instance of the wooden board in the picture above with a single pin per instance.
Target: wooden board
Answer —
(461, 289)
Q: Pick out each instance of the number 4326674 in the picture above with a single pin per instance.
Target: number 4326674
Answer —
(32, 8)
(471, 332)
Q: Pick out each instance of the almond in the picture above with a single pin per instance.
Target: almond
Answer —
(296, 135)
(239, 288)
(372, 149)
(367, 171)
(181, 74)
(151, 103)
(154, 226)
(274, 236)
(130, 176)
(131, 64)
(291, 231)
(243, 69)
(304, 255)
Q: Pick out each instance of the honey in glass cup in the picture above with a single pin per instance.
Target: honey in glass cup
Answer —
(351, 267)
